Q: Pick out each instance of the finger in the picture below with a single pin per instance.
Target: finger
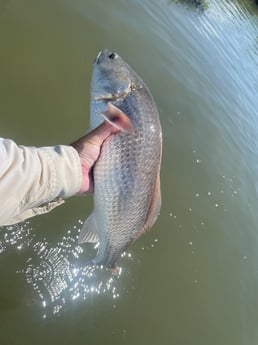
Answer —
(100, 133)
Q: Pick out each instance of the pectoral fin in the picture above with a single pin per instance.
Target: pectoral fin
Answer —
(89, 231)
(118, 119)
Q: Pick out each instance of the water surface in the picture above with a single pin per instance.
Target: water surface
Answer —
(194, 278)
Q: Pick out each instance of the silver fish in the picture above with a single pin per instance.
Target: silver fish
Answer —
(127, 196)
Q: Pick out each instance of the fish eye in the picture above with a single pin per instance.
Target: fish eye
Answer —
(112, 56)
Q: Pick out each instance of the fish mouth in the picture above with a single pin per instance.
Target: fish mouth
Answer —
(105, 54)
(96, 60)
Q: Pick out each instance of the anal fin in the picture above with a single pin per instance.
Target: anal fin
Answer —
(89, 231)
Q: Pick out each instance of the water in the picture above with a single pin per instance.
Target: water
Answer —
(194, 278)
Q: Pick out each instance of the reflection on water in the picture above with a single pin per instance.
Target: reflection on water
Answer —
(20, 236)
(56, 272)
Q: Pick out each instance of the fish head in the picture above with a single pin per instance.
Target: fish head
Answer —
(111, 77)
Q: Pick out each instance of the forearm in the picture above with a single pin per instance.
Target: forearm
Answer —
(31, 177)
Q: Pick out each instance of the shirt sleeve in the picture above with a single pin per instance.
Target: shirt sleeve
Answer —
(35, 180)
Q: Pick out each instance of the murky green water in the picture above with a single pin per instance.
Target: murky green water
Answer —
(194, 278)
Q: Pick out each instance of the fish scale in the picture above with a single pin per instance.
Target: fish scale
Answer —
(126, 175)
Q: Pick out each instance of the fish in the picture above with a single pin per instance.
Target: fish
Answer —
(127, 197)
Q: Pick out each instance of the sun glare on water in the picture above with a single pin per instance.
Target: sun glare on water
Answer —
(56, 272)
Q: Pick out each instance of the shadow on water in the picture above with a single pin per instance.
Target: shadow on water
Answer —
(201, 5)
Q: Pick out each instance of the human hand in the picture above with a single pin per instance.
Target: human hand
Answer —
(88, 148)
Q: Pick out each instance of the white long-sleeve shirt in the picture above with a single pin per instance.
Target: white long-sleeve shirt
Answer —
(35, 180)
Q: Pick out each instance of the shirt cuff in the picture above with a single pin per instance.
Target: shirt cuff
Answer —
(65, 170)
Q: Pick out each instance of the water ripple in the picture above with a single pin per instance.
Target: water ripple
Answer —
(56, 272)
(20, 236)
(58, 276)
